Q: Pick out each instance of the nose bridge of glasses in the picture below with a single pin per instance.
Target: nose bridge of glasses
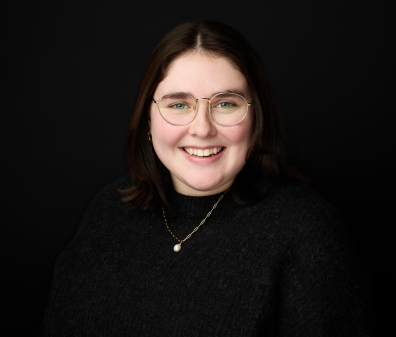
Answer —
(203, 98)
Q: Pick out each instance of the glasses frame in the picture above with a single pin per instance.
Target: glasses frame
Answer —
(209, 108)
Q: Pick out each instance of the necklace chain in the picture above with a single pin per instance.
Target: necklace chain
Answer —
(177, 247)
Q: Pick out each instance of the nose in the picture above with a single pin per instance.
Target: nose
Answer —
(202, 126)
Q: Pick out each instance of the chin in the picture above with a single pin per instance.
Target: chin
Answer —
(205, 188)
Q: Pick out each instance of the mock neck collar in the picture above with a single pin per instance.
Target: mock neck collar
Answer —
(196, 206)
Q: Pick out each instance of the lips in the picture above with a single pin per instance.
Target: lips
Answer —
(202, 152)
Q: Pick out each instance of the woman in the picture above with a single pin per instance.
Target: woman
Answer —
(212, 234)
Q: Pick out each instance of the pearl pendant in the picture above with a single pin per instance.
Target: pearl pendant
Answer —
(177, 247)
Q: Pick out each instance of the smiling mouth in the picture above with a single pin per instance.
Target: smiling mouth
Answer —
(203, 153)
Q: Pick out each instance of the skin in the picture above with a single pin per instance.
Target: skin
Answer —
(202, 76)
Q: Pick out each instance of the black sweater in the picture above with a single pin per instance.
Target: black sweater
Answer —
(282, 265)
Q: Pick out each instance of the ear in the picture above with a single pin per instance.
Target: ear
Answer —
(149, 126)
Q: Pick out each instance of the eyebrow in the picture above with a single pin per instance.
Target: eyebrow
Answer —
(227, 92)
(178, 95)
(233, 92)
(181, 94)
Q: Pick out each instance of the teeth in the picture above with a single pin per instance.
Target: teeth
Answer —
(202, 153)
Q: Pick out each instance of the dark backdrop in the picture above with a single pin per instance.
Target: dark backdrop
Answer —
(70, 71)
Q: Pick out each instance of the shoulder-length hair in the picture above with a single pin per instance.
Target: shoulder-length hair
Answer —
(151, 180)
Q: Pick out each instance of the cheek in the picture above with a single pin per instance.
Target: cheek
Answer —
(163, 134)
(163, 137)
(241, 134)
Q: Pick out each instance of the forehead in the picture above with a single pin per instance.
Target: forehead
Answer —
(202, 74)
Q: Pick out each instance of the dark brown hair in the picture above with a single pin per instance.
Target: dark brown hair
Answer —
(151, 180)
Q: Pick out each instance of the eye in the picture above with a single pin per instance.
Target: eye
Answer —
(225, 105)
(179, 106)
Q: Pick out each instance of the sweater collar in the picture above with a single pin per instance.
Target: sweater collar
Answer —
(196, 206)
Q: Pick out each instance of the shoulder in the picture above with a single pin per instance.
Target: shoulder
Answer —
(295, 200)
(295, 213)
(319, 261)
(107, 203)
(311, 229)
(110, 194)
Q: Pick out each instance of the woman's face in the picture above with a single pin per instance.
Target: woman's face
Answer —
(201, 76)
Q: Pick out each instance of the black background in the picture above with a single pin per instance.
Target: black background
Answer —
(70, 71)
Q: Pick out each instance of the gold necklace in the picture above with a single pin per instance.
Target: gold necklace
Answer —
(177, 247)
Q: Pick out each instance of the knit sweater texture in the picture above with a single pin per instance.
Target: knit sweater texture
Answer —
(281, 265)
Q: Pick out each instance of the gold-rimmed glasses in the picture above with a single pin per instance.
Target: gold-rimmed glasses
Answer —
(225, 108)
